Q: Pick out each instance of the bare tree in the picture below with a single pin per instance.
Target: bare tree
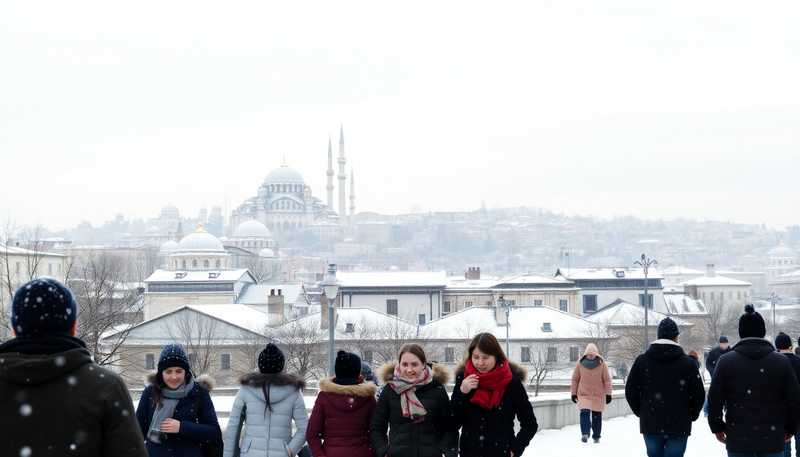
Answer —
(201, 337)
(544, 360)
(21, 246)
(265, 270)
(304, 345)
(723, 318)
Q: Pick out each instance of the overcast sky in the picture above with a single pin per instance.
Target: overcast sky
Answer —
(609, 108)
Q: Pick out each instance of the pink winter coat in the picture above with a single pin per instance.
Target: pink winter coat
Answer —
(591, 385)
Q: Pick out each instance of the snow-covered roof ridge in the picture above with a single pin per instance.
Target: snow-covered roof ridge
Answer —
(393, 279)
(714, 281)
(623, 314)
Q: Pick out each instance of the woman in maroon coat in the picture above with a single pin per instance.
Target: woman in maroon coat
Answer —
(343, 412)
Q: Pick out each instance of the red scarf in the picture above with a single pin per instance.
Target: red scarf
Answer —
(491, 385)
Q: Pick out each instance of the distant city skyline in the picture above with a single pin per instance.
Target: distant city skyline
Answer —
(659, 111)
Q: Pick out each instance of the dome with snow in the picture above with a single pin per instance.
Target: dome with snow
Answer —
(283, 175)
(170, 211)
(153, 231)
(782, 251)
(200, 241)
(169, 247)
(251, 229)
(266, 254)
(223, 238)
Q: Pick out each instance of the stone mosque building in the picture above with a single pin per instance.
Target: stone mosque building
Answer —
(285, 205)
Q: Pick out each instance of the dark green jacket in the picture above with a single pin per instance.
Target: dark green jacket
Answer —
(429, 438)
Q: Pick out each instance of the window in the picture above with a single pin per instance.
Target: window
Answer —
(50, 269)
(180, 275)
(205, 263)
(213, 275)
(589, 303)
(18, 267)
(391, 307)
(217, 263)
(546, 327)
(563, 305)
(449, 355)
(225, 362)
(488, 303)
(552, 355)
(367, 357)
(537, 303)
(468, 304)
(304, 311)
(574, 354)
(525, 355)
(350, 328)
(649, 300)
(511, 303)
(192, 359)
(194, 262)
(183, 264)
(446, 306)
(150, 362)
(421, 319)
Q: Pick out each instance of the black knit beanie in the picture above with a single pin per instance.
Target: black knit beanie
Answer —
(751, 324)
(43, 305)
(173, 355)
(783, 341)
(347, 368)
(271, 360)
(668, 329)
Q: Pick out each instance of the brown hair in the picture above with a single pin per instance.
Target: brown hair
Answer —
(488, 344)
(415, 349)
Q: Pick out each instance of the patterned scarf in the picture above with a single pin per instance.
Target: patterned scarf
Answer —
(491, 385)
(166, 409)
(409, 403)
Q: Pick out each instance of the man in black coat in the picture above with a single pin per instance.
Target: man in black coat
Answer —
(666, 393)
(783, 343)
(711, 362)
(761, 390)
(55, 400)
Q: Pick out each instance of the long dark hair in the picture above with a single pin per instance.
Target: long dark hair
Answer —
(488, 344)
(158, 386)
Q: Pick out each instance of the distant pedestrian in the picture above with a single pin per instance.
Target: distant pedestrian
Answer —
(665, 391)
(342, 414)
(783, 343)
(366, 373)
(271, 399)
(761, 391)
(694, 355)
(412, 407)
(54, 400)
(711, 362)
(175, 412)
(488, 396)
(591, 390)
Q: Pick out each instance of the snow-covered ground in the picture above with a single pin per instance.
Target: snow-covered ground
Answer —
(620, 437)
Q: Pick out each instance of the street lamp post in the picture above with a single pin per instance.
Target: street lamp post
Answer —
(774, 298)
(506, 306)
(645, 264)
(330, 286)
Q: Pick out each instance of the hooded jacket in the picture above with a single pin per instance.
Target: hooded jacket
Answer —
(195, 427)
(63, 403)
(713, 357)
(490, 432)
(342, 416)
(268, 432)
(763, 397)
(664, 390)
(429, 438)
(591, 385)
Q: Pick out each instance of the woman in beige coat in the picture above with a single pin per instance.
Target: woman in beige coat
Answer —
(591, 390)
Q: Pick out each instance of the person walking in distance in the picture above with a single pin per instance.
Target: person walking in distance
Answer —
(711, 362)
(783, 343)
(665, 391)
(591, 390)
(54, 400)
(761, 391)
(489, 394)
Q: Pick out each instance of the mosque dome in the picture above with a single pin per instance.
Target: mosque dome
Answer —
(170, 211)
(283, 175)
(266, 254)
(168, 247)
(782, 251)
(200, 241)
(153, 231)
(251, 229)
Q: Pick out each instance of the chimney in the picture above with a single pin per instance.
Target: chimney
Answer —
(275, 308)
(710, 270)
(474, 273)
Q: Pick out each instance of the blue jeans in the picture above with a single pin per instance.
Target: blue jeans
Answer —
(665, 445)
(755, 454)
(595, 423)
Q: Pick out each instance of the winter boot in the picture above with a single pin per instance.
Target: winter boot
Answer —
(585, 438)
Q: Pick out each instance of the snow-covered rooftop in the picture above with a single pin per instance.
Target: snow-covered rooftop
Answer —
(714, 281)
(680, 270)
(258, 294)
(684, 304)
(393, 279)
(197, 275)
(624, 314)
(608, 273)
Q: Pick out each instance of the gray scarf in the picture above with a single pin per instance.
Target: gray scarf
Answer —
(166, 408)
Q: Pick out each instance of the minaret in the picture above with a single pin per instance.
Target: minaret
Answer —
(329, 187)
(352, 202)
(342, 181)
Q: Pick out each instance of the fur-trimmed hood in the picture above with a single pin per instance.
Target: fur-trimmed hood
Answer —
(441, 374)
(205, 381)
(258, 380)
(366, 389)
(517, 370)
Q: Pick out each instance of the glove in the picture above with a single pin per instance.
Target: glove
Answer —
(574, 399)
(608, 399)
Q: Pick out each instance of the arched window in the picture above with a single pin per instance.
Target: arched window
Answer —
(217, 263)
(205, 263)
(183, 263)
(194, 262)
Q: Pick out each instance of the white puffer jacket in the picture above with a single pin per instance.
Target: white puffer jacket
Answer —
(268, 433)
